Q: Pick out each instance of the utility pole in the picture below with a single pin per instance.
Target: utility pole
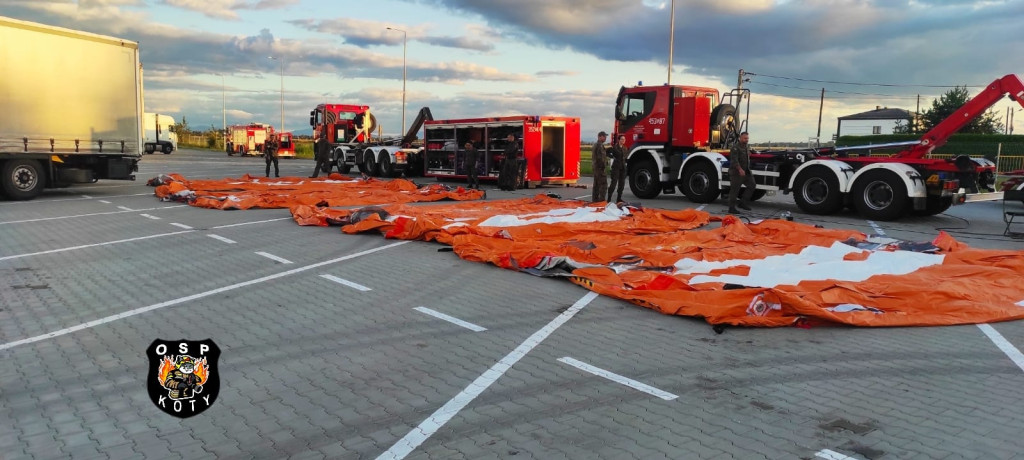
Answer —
(739, 103)
(1006, 129)
(671, 39)
(821, 107)
(917, 115)
(224, 111)
(405, 46)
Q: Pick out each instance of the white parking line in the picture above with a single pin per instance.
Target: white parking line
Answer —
(125, 208)
(1011, 351)
(442, 415)
(152, 217)
(78, 198)
(701, 207)
(273, 257)
(200, 295)
(221, 238)
(878, 229)
(88, 215)
(346, 282)
(52, 251)
(104, 202)
(450, 319)
(618, 378)
(832, 455)
(186, 227)
(87, 197)
(250, 223)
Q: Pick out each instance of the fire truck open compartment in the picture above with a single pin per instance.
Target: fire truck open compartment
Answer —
(550, 146)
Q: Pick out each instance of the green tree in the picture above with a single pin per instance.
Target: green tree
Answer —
(181, 129)
(944, 106)
(903, 127)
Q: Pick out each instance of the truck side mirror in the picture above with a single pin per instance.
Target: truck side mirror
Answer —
(312, 121)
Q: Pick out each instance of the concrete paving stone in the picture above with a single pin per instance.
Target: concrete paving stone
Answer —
(308, 455)
(122, 451)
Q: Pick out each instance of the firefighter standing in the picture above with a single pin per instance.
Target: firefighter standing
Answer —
(599, 160)
(323, 153)
(740, 175)
(472, 156)
(618, 154)
(270, 155)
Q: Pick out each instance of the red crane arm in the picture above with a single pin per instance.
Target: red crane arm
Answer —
(938, 135)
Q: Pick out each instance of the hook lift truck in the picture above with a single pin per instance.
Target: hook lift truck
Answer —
(677, 140)
(349, 130)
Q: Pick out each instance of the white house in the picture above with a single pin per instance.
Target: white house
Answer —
(882, 120)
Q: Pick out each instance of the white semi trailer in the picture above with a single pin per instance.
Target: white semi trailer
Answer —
(70, 108)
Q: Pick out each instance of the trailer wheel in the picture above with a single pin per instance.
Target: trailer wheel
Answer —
(880, 195)
(386, 170)
(817, 191)
(22, 179)
(935, 205)
(167, 149)
(369, 166)
(700, 183)
(644, 179)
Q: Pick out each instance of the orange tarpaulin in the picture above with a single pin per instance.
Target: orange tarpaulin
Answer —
(769, 273)
(336, 190)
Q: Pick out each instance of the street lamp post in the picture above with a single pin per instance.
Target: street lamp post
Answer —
(282, 89)
(224, 110)
(671, 39)
(405, 42)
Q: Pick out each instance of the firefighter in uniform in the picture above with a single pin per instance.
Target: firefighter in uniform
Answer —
(270, 155)
(599, 161)
(182, 382)
(508, 177)
(323, 154)
(618, 156)
(740, 175)
(472, 156)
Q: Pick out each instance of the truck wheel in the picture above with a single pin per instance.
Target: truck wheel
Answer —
(150, 148)
(369, 167)
(723, 120)
(817, 191)
(167, 149)
(758, 194)
(22, 179)
(644, 179)
(700, 183)
(386, 170)
(935, 205)
(880, 195)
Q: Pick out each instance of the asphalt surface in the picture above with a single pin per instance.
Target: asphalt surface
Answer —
(353, 346)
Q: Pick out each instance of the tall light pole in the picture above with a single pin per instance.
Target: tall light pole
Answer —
(224, 110)
(281, 130)
(405, 42)
(671, 39)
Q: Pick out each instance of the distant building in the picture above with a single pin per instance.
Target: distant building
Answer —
(882, 120)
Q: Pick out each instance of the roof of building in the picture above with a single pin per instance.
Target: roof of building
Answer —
(880, 113)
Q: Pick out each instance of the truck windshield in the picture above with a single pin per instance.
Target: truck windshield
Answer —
(633, 107)
(346, 115)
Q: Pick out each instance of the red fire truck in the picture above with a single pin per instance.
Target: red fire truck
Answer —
(286, 145)
(247, 139)
(672, 132)
(550, 145)
(349, 130)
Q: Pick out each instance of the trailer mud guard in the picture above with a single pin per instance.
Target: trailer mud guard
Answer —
(843, 171)
(910, 176)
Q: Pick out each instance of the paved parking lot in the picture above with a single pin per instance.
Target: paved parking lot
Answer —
(353, 346)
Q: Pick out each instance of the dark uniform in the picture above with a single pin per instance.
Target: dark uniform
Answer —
(323, 154)
(599, 161)
(270, 155)
(472, 157)
(739, 159)
(508, 176)
(618, 154)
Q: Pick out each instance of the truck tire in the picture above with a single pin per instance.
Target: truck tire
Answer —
(22, 179)
(723, 119)
(880, 195)
(369, 166)
(645, 179)
(149, 149)
(700, 182)
(816, 191)
(758, 194)
(386, 169)
(935, 205)
(168, 149)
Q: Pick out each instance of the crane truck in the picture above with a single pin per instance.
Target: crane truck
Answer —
(677, 140)
(56, 131)
(349, 136)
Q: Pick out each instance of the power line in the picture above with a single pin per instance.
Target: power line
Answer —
(851, 93)
(862, 84)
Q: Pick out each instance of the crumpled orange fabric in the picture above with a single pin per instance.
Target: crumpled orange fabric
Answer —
(286, 192)
(634, 258)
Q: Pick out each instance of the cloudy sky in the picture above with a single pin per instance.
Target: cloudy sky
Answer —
(469, 58)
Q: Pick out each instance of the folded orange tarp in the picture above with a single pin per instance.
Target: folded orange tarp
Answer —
(769, 273)
(336, 190)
